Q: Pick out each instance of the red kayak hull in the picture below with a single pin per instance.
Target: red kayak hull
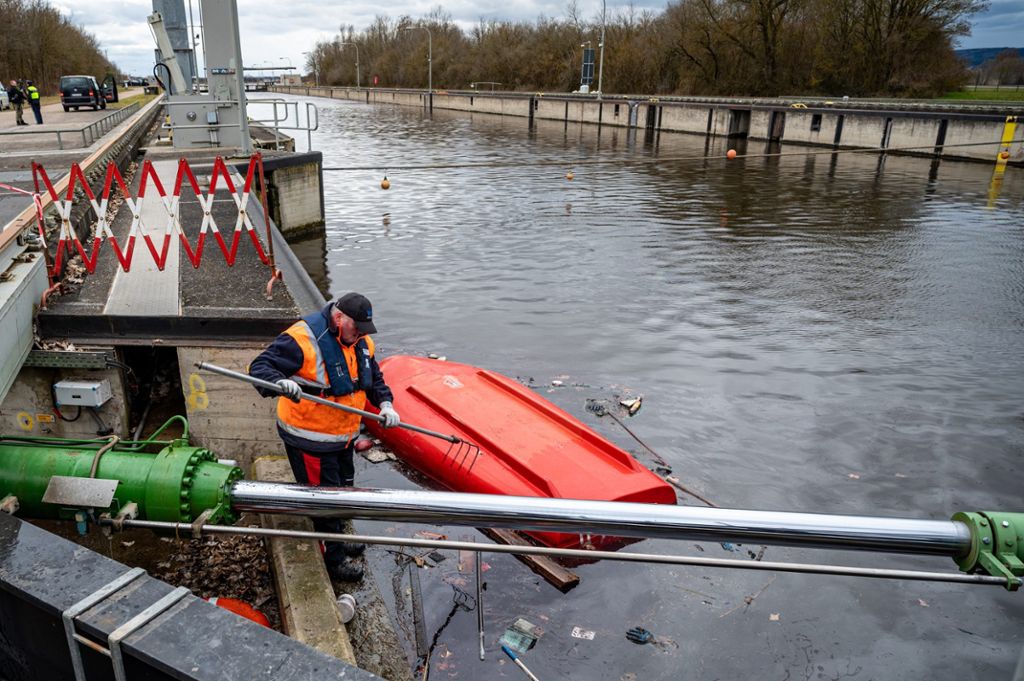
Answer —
(529, 447)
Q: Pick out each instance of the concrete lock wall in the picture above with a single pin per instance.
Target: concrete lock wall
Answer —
(693, 119)
(760, 124)
(28, 408)
(860, 130)
(969, 136)
(914, 132)
(966, 132)
(816, 127)
(298, 208)
(227, 417)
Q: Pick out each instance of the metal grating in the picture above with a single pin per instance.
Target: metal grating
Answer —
(67, 359)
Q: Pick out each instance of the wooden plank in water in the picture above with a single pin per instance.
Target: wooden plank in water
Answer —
(554, 574)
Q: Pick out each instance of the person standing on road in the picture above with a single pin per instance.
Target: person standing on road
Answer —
(17, 98)
(33, 101)
(328, 354)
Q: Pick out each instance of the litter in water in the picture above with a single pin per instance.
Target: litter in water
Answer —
(521, 636)
(639, 635)
(585, 634)
(632, 405)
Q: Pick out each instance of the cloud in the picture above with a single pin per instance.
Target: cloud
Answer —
(279, 31)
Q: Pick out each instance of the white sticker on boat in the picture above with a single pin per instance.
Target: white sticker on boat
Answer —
(452, 382)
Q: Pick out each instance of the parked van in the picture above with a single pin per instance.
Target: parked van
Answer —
(76, 91)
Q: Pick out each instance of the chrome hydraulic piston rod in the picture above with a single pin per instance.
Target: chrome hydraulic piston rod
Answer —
(863, 533)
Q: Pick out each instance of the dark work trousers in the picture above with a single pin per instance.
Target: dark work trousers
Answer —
(324, 469)
(35, 109)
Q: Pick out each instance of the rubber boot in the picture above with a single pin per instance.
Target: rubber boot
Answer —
(352, 549)
(347, 571)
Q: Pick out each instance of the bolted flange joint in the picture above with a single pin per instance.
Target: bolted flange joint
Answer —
(997, 545)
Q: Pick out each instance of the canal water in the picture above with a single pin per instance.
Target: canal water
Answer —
(836, 334)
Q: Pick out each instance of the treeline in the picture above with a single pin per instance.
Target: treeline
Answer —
(1006, 68)
(700, 47)
(41, 45)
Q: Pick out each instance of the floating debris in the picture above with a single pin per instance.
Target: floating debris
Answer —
(639, 635)
(585, 634)
(521, 636)
(632, 405)
(378, 455)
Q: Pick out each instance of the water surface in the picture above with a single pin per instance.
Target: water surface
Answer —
(819, 333)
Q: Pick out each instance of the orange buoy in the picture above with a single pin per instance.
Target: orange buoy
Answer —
(240, 608)
(385, 183)
(731, 154)
(569, 176)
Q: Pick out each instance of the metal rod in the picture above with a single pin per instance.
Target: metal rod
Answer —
(479, 601)
(519, 663)
(206, 366)
(655, 558)
(611, 518)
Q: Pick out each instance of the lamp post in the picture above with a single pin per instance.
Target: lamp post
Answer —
(290, 65)
(430, 63)
(357, 60)
(600, 68)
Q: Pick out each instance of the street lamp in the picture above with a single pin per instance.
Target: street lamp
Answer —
(600, 68)
(290, 66)
(430, 61)
(357, 60)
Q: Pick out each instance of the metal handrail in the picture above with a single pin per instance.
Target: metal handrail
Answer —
(90, 133)
(312, 118)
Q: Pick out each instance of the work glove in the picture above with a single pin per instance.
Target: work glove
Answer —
(639, 635)
(391, 418)
(290, 389)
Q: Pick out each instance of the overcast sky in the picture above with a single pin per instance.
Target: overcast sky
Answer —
(278, 31)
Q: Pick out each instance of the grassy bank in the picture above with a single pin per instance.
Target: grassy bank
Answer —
(1005, 94)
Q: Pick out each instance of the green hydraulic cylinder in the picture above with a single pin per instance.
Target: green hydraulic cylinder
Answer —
(175, 484)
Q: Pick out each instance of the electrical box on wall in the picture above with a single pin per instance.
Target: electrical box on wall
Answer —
(82, 393)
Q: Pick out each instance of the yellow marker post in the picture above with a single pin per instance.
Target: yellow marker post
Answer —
(1009, 128)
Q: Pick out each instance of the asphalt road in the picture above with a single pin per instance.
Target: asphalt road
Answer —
(41, 137)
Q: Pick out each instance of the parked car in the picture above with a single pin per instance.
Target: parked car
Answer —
(108, 88)
(76, 91)
(5, 101)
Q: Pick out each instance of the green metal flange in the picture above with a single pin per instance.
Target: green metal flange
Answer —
(997, 545)
(185, 481)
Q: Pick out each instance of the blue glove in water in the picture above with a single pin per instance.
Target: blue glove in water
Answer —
(639, 635)
(391, 418)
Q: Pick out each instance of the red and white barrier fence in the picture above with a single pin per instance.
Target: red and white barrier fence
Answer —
(158, 239)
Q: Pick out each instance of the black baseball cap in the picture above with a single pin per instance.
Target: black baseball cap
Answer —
(357, 306)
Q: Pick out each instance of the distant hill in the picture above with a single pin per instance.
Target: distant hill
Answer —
(978, 56)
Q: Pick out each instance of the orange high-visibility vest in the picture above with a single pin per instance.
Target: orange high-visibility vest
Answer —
(313, 421)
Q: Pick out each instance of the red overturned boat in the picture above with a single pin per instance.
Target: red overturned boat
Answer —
(529, 447)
